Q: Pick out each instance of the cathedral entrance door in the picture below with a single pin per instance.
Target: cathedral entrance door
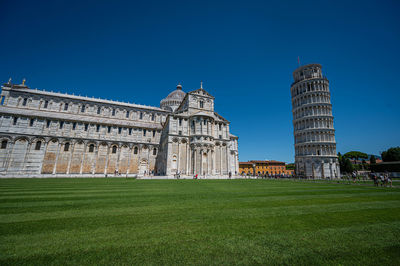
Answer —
(143, 166)
(174, 165)
(204, 164)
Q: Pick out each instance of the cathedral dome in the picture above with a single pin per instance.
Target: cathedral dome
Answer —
(173, 100)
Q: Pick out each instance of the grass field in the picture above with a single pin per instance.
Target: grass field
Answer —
(118, 221)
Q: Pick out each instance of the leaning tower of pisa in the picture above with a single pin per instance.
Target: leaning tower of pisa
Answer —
(314, 135)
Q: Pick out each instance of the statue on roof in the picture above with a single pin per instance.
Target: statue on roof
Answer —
(23, 81)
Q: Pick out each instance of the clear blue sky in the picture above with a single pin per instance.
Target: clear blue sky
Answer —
(245, 52)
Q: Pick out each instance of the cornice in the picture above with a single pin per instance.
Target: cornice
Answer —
(82, 98)
(78, 118)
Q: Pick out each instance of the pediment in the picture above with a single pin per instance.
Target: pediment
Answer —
(201, 92)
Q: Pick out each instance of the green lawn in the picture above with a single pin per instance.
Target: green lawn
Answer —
(119, 221)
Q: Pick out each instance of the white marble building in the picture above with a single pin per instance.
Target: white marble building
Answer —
(195, 139)
(314, 134)
(49, 134)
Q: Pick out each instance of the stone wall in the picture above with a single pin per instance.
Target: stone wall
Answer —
(59, 134)
(73, 157)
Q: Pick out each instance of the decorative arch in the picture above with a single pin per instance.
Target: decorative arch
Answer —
(103, 143)
(22, 138)
(53, 140)
(5, 137)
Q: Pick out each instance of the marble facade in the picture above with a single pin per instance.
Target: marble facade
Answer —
(47, 134)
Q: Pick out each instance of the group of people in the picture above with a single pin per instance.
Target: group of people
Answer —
(265, 176)
(382, 178)
(196, 176)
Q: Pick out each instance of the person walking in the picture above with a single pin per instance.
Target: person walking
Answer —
(382, 179)
(376, 182)
(374, 179)
(390, 181)
(387, 179)
(354, 175)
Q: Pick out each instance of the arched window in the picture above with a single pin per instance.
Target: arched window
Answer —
(37, 146)
(114, 149)
(91, 147)
(4, 144)
(66, 146)
(174, 163)
(154, 151)
(135, 150)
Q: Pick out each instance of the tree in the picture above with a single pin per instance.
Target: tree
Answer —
(356, 155)
(348, 166)
(341, 162)
(290, 166)
(391, 155)
(372, 160)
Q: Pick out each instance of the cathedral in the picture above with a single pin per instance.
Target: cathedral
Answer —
(50, 134)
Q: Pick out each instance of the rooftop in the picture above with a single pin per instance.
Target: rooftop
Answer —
(262, 161)
(24, 88)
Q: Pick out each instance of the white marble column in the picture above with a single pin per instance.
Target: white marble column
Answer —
(44, 153)
(129, 159)
(28, 149)
(83, 157)
(55, 162)
(95, 159)
(119, 147)
(106, 164)
(70, 156)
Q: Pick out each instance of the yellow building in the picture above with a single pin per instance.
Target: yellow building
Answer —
(264, 168)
